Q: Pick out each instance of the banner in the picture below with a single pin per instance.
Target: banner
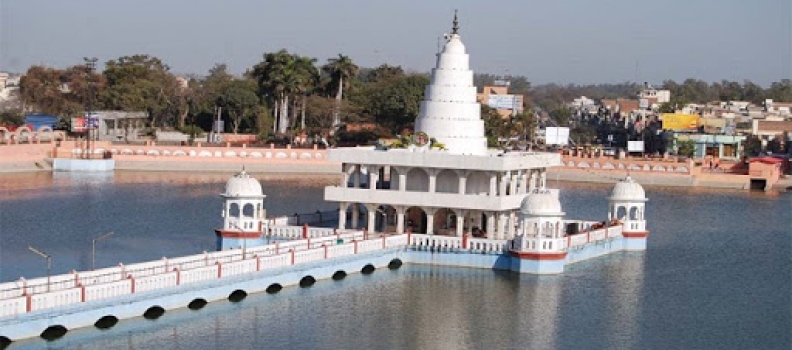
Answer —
(556, 136)
(510, 102)
(78, 124)
(635, 146)
(675, 121)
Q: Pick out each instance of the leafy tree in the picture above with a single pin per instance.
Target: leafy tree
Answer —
(280, 77)
(686, 148)
(395, 101)
(239, 99)
(140, 83)
(341, 70)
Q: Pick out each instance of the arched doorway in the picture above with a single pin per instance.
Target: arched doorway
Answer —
(415, 220)
(386, 219)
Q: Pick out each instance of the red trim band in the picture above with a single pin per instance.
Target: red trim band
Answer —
(539, 256)
(642, 234)
(237, 234)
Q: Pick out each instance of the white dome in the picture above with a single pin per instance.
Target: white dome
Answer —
(242, 185)
(628, 190)
(541, 203)
(454, 45)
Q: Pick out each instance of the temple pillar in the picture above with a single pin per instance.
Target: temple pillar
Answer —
(400, 219)
(501, 230)
(355, 216)
(462, 182)
(342, 207)
(372, 217)
(490, 229)
(460, 223)
(374, 173)
(512, 225)
(493, 191)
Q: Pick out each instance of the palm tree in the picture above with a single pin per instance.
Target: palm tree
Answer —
(341, 70)
(305, 79)
(274, 79)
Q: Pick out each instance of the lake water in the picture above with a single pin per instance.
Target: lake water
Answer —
(717, 273)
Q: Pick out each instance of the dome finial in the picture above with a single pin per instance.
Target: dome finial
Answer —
(455, 28)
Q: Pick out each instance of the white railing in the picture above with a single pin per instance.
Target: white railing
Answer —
(487, 245)
(23, 296)
(30, 295)
(422, 242)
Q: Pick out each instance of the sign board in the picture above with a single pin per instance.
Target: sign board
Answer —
(643, 103)
(556, 136)
(635, 146)
(676, 121)
(78, 124)
(503, 102)
(218, 126)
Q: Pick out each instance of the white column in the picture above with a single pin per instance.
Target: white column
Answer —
(372, 218)
(502, 184)
(355, 216)
(510, 231)
(501, 234)
(402, 180)
(493, 191)
(429, 221)
(399, 219)
(513, 184)
(374, 173)
(345, 180)
(462, 183)
(460, 224)
(544, 178)
(432, 180)
(523, 182)
(342, 207)
(491, 224)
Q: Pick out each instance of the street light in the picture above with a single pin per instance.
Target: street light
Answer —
(49, 263)
(90, 66)
(93, 248)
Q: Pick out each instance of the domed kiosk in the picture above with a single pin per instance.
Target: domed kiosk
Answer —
(539, 245)
(243, 212)
(627, 203)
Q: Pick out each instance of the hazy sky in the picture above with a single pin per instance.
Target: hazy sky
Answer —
(578, 41)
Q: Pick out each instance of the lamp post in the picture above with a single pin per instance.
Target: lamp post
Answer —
(90, 65)
(49, 263)
(93, 248)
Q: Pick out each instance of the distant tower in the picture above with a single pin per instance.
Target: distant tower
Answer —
(243, 213)
(627, 203)
(541, 234)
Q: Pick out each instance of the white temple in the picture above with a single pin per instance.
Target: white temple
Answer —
(461, 187)
(449, 111)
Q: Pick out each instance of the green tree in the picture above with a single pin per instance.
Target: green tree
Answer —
(239, 100)
(395, 101)
(341, 71)
(141, 83)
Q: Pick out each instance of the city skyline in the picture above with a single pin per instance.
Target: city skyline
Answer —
(571, 42)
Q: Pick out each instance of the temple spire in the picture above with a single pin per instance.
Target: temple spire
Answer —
(455, 28)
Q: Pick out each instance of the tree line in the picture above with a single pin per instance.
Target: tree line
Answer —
(286, 93)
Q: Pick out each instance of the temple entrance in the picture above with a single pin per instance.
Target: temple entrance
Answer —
(415, 220)
(445, 221)
(386, 219)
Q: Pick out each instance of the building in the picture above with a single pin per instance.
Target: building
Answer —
(461, 187)
(499, 98)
